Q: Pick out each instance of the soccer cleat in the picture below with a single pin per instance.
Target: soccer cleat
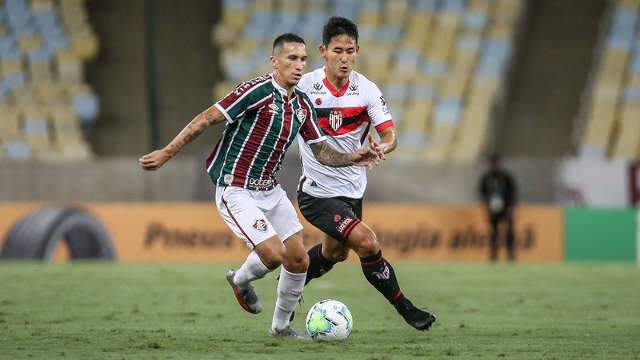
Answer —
(247, 298)
(419, 319)
(289, 332)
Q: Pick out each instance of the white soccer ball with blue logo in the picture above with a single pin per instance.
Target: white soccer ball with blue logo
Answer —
(329, 320)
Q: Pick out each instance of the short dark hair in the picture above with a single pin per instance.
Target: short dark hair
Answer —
(286, 38)
(337, 26)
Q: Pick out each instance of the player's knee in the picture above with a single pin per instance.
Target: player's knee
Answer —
(367, 244)
(272, 257)
(297, 262)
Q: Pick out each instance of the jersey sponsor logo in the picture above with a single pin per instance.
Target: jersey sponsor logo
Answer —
(261, 183)
(337, 218)
(318, 101)
(260, 225)
(228, 179)
(344, 223)
(385, 108)
(301, 114)
(318, 89)
(335, 119)
(353, 90)
(273, 107)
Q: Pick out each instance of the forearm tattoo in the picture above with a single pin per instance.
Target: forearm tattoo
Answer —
(326, 155)
(191, 131)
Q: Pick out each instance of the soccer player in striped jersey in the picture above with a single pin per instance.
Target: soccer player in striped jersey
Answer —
(347, 104)
(263, 117)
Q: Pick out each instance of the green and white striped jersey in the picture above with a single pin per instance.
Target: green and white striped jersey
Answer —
(262, 122)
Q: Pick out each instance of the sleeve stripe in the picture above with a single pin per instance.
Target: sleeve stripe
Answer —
(384, 125)
(224, 112)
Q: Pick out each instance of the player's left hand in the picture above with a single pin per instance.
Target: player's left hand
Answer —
(377, 147)
(154, 160)
(367, 157)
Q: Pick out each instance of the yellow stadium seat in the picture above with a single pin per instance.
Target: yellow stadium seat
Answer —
(9, 122)
(455, 84)
(437, 148)
(627, 141)
(628, 3)
(263, 6)
(27, 43)
(84, 44)
(479, 5)
(416, 118)
(369, 18)
(634, 80)
(40, 71)
(69, 68)
(396, 12)
(600, 124)
(24, 97)
(37, 5)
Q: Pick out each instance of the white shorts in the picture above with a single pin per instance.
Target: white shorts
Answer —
(254, 216)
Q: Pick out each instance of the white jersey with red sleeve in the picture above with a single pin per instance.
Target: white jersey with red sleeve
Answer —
(344, 115)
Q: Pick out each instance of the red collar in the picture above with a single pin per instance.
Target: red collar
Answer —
(334, 92)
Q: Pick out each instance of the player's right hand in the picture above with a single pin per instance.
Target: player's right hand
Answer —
(154, 160)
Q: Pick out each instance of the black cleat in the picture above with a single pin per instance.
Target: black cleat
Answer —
(419, 319)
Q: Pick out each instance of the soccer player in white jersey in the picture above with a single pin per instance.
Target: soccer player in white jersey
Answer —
(263, 117)
(347, 104)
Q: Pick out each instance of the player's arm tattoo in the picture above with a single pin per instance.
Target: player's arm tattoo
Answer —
(198, 125)
(326, 155)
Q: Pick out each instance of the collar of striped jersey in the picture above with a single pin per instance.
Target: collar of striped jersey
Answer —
(282, 90)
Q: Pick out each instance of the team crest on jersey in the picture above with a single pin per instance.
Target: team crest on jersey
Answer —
(260, 225)
(335, 119)
(301, 114)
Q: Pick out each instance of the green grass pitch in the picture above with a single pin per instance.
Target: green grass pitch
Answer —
(185, 311)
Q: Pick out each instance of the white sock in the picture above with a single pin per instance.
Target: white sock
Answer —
(290, 288)
(252, 269)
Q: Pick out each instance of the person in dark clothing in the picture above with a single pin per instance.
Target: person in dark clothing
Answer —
(498, 191)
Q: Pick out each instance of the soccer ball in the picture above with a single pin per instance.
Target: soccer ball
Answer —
(329, 320)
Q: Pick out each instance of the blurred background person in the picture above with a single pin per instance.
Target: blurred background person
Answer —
(498, 191)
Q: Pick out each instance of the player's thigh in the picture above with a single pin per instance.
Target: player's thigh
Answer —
(336, 217)
(241, 214)
(282, 215)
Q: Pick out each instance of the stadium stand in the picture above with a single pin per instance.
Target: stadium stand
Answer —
(439, 63)
(44, 101)
(612, 108)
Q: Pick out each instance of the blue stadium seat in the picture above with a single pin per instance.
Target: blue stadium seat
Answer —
(632, 94)
(86, 107)
(17, 150)
(426, 5)
(448, 111)
(470, 43)
(475, 19)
